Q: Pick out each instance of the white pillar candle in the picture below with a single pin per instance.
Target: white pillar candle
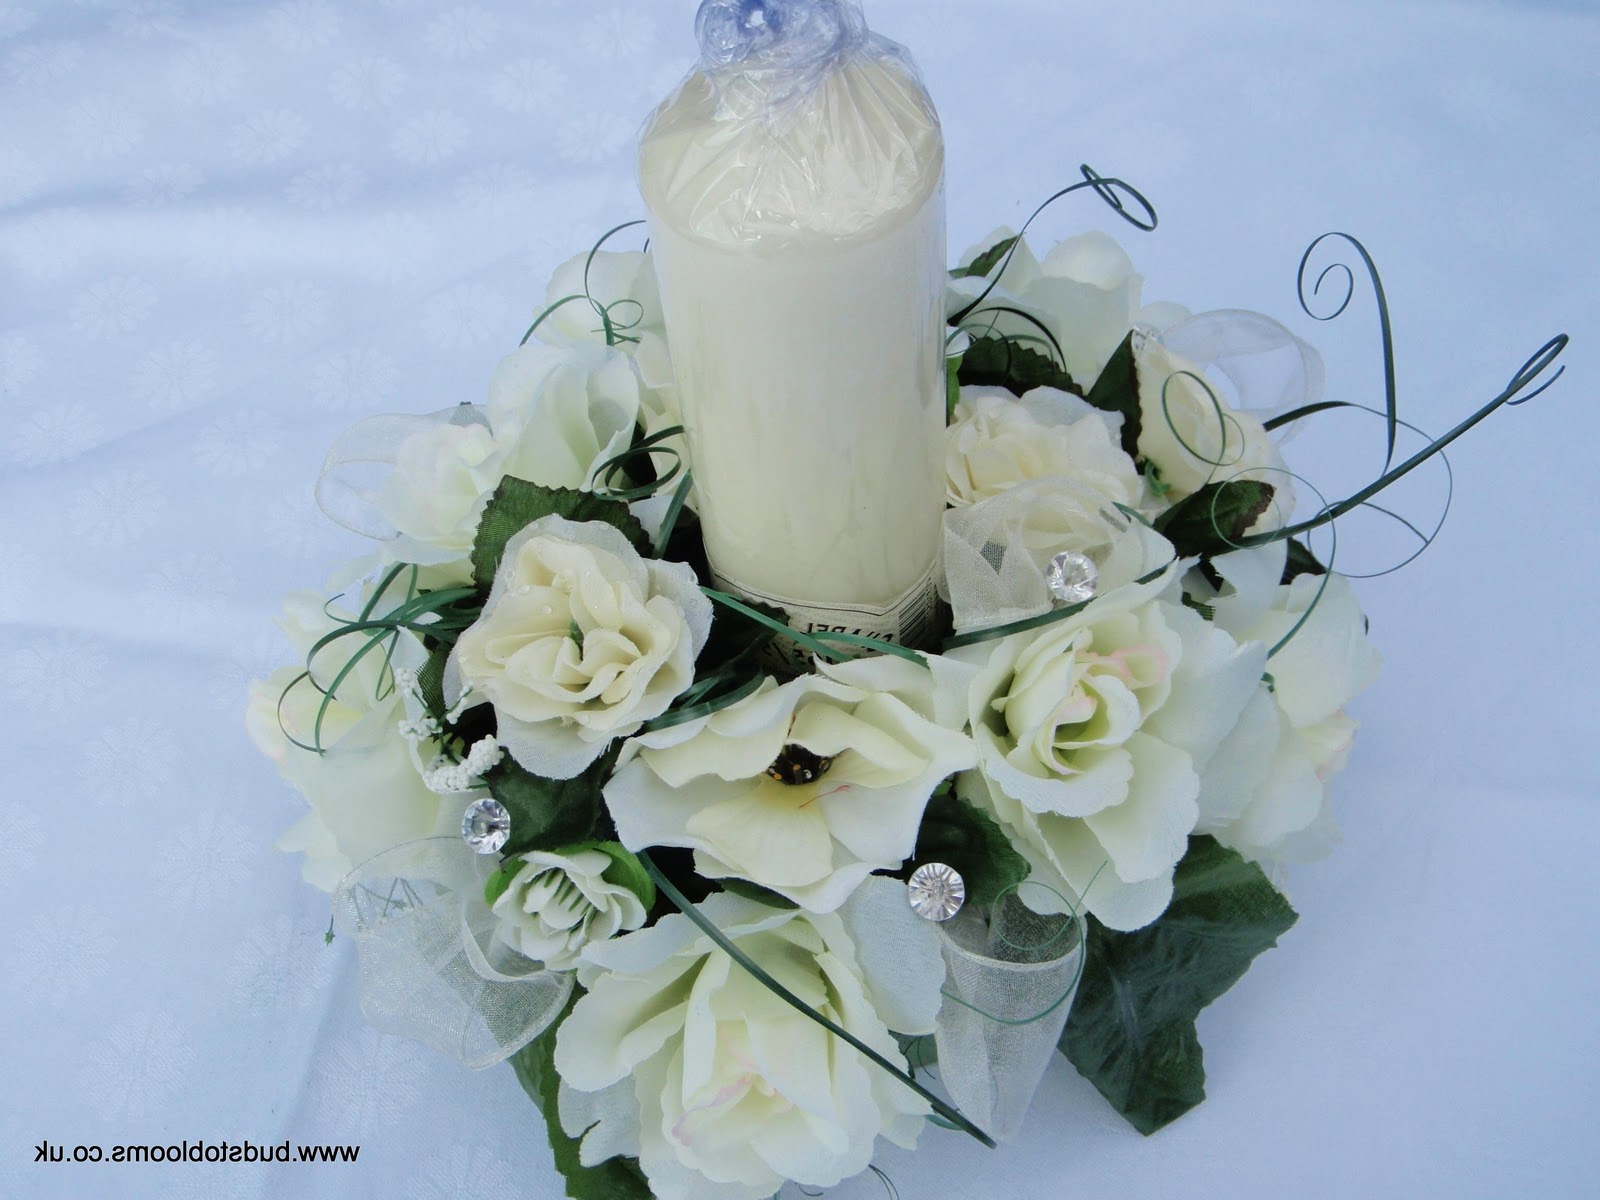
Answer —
(799, 242)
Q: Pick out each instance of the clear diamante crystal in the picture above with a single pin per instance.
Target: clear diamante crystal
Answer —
(937, 892)
(1072, 577)
(486, 825)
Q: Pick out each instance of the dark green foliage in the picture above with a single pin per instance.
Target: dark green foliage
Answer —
(1117, 391)
(1002, 362)
(1216, 518)
(517, 503)
(1132, 1032)
(965, 837)
(547, 814)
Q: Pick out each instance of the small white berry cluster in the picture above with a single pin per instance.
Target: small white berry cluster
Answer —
(442, 773)
(445, 776)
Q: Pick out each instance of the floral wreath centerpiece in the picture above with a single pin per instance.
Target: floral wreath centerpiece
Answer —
(817, 685)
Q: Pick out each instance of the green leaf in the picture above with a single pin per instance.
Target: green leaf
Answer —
(495, 886)
(516, 503)
(965, 837)
(614, 1179)
(1216, 518)
(627, 871)
(985, 262)
(547, 814)
(952, 386)
(754, 891)
(1117, 391)
(1132, 1032)
(1001, 362)
(1300, 561)
(430, 681)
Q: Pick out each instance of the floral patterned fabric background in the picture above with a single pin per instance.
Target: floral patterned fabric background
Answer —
(229, 229)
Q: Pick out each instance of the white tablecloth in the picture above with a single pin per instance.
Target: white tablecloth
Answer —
(227, 229)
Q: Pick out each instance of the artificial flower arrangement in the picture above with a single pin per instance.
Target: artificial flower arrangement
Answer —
(738, 894)
(1135, 716)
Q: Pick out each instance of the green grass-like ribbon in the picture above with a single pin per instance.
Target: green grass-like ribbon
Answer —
(724, 943)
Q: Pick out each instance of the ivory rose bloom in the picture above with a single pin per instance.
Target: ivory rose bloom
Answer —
(678, 1055)
(555, 903)
(1084, 290)
(622, 285)
(365, 794)
(555, 415)
(1192, 436)
(444, 474)
(580, 642)
(1093, 736)
(998, 441)
(562, 411)
(1267, 797)
(997, 552)
(804, 788)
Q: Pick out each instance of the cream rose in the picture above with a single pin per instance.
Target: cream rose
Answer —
(1267, 796)
(805, 788)
(998, 441)
(623, 286)
(443, 476)
(997, 552)
(1192, 437)
(1085, 291)
(1093, 736)
(551, 904)
(364, 792)
(723, 1091)
(563, 411)
(581, 641)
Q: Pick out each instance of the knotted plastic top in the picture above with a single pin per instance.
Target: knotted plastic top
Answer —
(798, 125)
(793, 35)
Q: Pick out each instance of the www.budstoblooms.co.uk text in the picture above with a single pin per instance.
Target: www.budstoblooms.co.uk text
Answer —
(194, 1152)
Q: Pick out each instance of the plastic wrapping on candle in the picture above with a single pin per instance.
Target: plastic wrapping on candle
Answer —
(795, 189)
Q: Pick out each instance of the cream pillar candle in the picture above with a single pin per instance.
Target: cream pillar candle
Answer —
(797, 221)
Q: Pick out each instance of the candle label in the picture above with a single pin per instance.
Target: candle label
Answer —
(908, 621)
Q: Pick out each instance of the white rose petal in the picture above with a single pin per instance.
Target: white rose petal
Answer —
(1266, 793)
(1085, 292)
(620, 288)
(1094, 734)
(365, 793)
(561, 412)
(1191, 435)
(735, 1092)
(998, 441)
(580, 642)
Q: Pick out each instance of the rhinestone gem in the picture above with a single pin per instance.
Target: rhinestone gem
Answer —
(937, 892)
(486, 825)
(1072, 577)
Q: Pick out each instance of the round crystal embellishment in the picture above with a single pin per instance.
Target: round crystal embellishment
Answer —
(937, 892)
(1072, 577)
(485, 826)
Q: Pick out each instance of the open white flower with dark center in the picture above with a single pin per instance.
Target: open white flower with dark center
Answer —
(677, 1055)
(582, 641)
(805, 788)
(1093, 734)
(552, 904)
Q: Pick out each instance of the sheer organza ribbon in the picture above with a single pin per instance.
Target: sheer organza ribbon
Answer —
(431, 969)
(1011, 983)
